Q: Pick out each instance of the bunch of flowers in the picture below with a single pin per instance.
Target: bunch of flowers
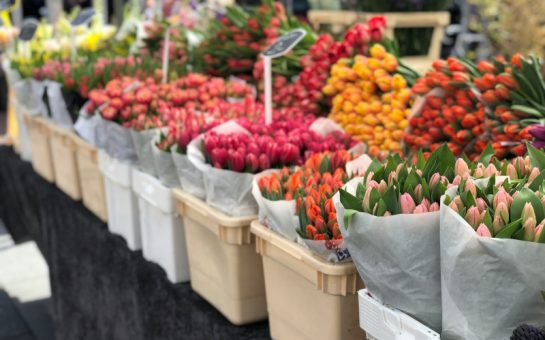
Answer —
(451, 110)
(502, 210)
(370, 100)
(236, 40)
(147, 104)
(398, 187)
(306, 91)
(514, 92)
(287, 141)
(155, 41)
(312, 186)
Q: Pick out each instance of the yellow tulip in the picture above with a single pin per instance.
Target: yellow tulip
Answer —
(377, 51)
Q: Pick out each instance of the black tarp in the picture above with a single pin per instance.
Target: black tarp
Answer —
(101, 289)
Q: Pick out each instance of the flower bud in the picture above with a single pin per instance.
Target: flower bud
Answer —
(252, 162)
(479, 171)
(533, 175)
(382, 187)
(407, 203)
(473, 217)
(460, 167)
(434, 207)
(483, 231)
(481, 204)
(490, 170)
(418, 193)
(457, 179)
(529, 226)
(498, 223)
(502, 196)
(470, 186)
(420, 209)
(511, 172)
(538, 231)
(434, 180)
(264, 162)
(528, 213)
(218, 157)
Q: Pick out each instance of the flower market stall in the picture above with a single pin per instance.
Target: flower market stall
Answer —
(245, 167)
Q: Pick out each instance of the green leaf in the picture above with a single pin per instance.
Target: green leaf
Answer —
(381, 208)
(537, 182)
(374, 197)
(325, 165)
(537, 157)
(349, 201)
(391, 200)
(420, 161)
(348, 217)
(510, 229)
(374, 166)
(488, 221)
(360, 191)
(526, 195)
(487, 154)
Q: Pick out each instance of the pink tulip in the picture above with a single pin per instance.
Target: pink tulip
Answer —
(512, 172)
(502, 196)
(490, 170)
(528, 213)
(481, 204)
(498, 223)
(387, 213)
(529, 227)
(502, 212)
(520, 165)
(470, 186)
(457, 179)
(418, 193)
(453, 206)
(434, 207)
(460, 167)
(264, 162)
(210, 142)
(533, 175)
(218, 157)
(479, 171)
(407, 203)
(236, 161)
(474, 217)
(366, 204)
(252, 162)
(369, 178)
(382, 187)
(483, 231)
(426, 203)
(434, 180)
(538, 231)
(391, 177)
(420, 209)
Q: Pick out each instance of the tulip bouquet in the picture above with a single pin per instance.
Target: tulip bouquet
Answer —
(289, 140)
(390, 219)
(491, 235)
(450, 111)
(514, 93)
(306, 92)
(236, 40)
(297, 202)
(371, 101)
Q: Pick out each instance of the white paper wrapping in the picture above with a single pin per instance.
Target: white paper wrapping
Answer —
(29, 94)
(279, 216)
(489, 286)
(397, 258)
(57, 105)
(164, 164)
(226, 190)
(191, 179)
(142, 141)
(116, 140)
(86, 126)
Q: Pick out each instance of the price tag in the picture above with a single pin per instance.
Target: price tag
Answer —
(84, 17)
(28, 30)
(283, 45)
